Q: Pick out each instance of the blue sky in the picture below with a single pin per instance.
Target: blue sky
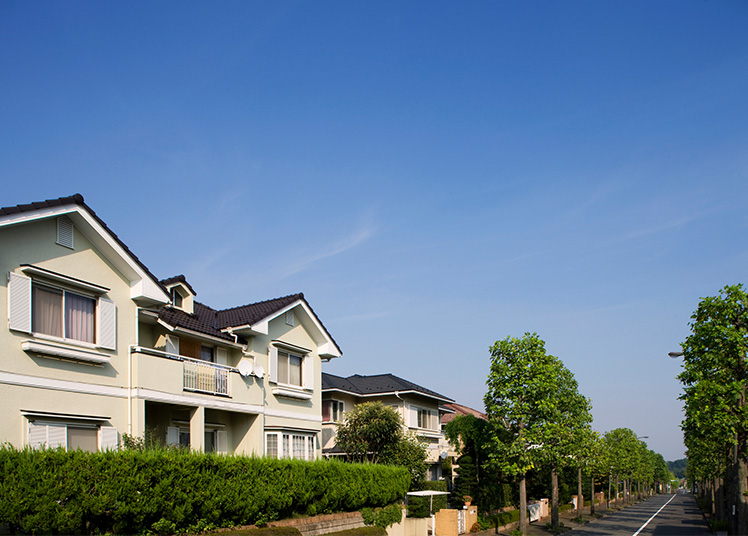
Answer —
(434, 176)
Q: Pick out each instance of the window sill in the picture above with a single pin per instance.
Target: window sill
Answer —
(292, 393)
(49, 349)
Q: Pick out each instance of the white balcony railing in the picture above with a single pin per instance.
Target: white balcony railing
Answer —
(205, 377)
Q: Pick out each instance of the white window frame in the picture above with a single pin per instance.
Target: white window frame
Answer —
(54, 434)
(21, 310)
(292, 444)
(336, 410)
(416, 418)
(307, 372)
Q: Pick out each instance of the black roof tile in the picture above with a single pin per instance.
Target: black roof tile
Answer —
(376, 384)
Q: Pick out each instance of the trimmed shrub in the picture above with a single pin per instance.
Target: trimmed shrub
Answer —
(419, 506)
(167, 491)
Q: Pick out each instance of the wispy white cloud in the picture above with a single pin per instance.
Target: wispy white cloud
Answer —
(352, 240)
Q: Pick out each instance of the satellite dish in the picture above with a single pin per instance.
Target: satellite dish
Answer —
(259, 371)
(245, 367)
(443, 455)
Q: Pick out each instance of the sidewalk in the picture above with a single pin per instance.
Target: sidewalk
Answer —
(537, 528)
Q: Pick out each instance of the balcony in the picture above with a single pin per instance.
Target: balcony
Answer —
(204, 377)
(164, 372)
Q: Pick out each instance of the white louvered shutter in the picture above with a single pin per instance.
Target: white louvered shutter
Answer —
(108, 438)
(308, 372)
(65, 232)
(37, 435)
(106, 324)
(273, 364)
(19, 302)
(412, 416)
(172, 435)
(222, 356)
(57, 436)
(222, 442)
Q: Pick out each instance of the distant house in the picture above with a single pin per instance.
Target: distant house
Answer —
(453, 410)
(96, 347)
(421, 409)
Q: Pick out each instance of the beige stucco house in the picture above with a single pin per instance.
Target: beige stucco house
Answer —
(96, 347)
(420, 408)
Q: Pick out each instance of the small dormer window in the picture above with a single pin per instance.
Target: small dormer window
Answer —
(176, 298)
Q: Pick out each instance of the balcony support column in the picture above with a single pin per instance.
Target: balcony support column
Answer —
(197, 428)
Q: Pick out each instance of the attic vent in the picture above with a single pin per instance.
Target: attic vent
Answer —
(65, 232)
(289, 318)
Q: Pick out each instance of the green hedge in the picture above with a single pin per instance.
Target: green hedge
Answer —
(167, 491)
(419, 506)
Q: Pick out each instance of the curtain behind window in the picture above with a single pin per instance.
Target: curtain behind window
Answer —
(47, 311)
(79, 317)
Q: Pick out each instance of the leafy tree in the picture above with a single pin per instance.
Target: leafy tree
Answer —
(522, 403)
(564, 435)
(408, 452)
(714, 384)
(368, 430)
(470, 437)
(373, 432)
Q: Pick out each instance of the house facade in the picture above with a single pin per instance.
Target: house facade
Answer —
(420, 408)
(96, 347)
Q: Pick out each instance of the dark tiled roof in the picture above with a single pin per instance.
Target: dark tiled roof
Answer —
(254, 312)
(203, 320)
(375, 385)
(77, 199)
(459, 409)
(178, 279)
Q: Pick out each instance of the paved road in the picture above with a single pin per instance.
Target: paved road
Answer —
(662, 515)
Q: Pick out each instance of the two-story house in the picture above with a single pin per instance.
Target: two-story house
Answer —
(420, 408)
(96, 346)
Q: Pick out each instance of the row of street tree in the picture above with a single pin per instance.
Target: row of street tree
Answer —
(715, 428)
(539, 429)
(538, 424)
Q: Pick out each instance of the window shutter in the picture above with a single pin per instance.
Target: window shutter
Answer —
(413, 416)
(65, 232)
(273, 364)
(37, 435)
(108, 438)
(172, 344)
(308, 373)
(57, 436)
(222, 442)
(19, 302)
(106, 324)
(222, 356)
(326, 410)
(172, 435)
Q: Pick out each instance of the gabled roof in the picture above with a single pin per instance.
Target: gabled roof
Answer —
(68, 205)
(254, 312)
(459, 409)
(376, 385)
(203, 320)
(178, 279)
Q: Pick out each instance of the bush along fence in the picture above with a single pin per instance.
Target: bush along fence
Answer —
(167, 491)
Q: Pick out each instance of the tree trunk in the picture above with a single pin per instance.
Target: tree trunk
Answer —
(741, 489)
(554, 499)
(610, 482)
(580, 497)
(522, 504)
(592, 494)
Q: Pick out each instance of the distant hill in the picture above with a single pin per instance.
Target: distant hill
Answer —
(678, 468)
